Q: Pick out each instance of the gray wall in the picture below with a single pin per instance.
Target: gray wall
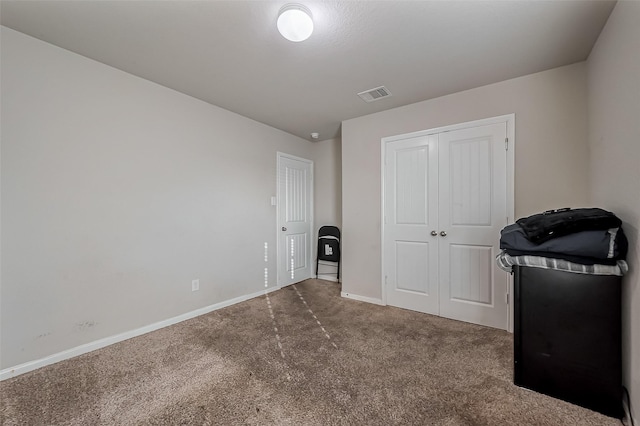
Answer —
(328, 194)
(117, 192)
(328, 182)
(551, 156)
(614, 139)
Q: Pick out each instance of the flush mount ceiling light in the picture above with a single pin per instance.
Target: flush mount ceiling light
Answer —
(295, 23)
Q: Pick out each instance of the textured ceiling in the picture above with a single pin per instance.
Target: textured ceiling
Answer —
(229, 53)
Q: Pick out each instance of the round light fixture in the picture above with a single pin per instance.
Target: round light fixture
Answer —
(295, 23)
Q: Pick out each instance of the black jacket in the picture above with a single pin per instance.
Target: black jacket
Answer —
(555, 223)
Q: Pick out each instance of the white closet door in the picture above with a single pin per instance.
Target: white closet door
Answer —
(411, 214)
(445, 202)
(472, 211)
(295, 219)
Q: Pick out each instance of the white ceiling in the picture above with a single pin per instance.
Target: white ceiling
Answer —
(230, 54)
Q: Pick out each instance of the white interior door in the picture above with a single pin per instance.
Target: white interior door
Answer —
(445, 202)
(295, 219)
(411, 214)
(472, 211)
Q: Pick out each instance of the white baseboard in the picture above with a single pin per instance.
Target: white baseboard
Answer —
(101, 343)
(328, 278)
(362, 298)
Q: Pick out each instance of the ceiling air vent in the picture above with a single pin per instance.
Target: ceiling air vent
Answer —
(375, 94)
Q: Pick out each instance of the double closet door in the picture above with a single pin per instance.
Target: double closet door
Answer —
(445, 202)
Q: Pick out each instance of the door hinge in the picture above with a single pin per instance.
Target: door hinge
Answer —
(506, 298)
(506, 144)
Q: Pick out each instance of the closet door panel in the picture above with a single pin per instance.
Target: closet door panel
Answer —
(472, 211)
(470, 273)
(470, 181)
(410, 214)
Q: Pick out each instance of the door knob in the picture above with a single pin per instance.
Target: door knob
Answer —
(434, 233)
(284, 228)
(443, 233)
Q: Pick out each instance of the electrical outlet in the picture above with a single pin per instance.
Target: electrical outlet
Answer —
(195, 285)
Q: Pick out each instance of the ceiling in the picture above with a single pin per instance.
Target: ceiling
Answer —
(230, 54)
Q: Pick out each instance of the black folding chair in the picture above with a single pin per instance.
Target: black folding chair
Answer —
(329, 247)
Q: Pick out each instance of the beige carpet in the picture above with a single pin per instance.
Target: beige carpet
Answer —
(352, 364)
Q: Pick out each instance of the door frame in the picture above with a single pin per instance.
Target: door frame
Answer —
(279, 156)
(510, 120)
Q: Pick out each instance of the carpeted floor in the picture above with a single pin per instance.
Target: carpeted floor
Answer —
(301, 356)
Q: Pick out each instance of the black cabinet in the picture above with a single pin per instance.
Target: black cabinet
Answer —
(567, 337)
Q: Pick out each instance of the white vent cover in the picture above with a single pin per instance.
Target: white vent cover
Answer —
(375, 94)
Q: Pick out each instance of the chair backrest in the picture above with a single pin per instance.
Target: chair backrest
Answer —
(330, 231)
